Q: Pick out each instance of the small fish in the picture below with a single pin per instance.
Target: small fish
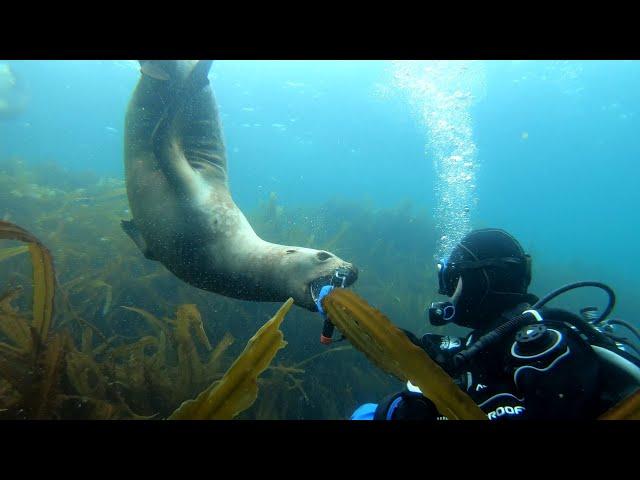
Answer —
(111, 130)
(248, 109)
(525, 135)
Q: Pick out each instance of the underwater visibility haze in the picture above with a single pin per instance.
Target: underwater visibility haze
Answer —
(384, 164)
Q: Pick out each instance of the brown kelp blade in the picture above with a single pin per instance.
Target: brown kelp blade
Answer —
(627, 409)
(43, 276)
(389, 348)
(238, 389)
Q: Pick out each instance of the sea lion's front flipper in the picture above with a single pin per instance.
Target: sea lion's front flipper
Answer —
(166, 141)
(130, 229)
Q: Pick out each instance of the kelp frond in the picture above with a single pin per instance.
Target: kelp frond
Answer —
(6, 253)
(43, 276)
(238, 389)
(389, 348)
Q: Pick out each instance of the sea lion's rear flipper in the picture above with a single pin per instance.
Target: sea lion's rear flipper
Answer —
(154, 69)
(166, 139)
(130, 229)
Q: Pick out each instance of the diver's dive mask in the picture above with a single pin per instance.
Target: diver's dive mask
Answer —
(449, 272)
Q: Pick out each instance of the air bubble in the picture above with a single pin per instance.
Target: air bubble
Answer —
(441, 94)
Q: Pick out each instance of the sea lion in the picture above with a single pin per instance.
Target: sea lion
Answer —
(183, 213)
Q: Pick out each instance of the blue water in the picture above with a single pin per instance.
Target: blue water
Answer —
(556, 146)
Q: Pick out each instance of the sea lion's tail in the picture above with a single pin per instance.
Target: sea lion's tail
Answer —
(195, 80)
(178, 71)
(157, 69)
(198, 78)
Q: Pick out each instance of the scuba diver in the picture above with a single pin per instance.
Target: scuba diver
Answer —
(522, 360)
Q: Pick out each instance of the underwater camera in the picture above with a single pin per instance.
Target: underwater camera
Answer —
(339, 279)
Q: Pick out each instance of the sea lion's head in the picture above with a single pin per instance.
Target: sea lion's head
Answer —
(308, 270)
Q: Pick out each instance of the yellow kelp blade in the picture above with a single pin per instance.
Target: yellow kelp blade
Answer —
(149, 317)
(217, 353)
(6, 253)
(43, 276)
(389, 348)
(238, 389)
(188, 316)
(627, 409)
(16, 329)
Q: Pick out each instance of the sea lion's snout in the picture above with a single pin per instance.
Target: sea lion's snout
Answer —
(343, 276)
(352, 275)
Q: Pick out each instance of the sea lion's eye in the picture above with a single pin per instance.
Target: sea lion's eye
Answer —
(290, 251)
(322, 256)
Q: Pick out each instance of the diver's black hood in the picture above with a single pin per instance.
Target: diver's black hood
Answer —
(489, 291)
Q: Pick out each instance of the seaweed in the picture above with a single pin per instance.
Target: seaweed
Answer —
(627, 409)
(390, 349)
(77, 216)
(43, 276)
(238, 389)
(7, 253)
(43, 371)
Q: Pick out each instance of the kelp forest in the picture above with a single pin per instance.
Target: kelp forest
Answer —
(90, 329)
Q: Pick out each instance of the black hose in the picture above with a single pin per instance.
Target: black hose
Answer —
(612, 297)
(625, 341)
(465, 356)
(594, 335)
(632, 347)
(627, 326)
